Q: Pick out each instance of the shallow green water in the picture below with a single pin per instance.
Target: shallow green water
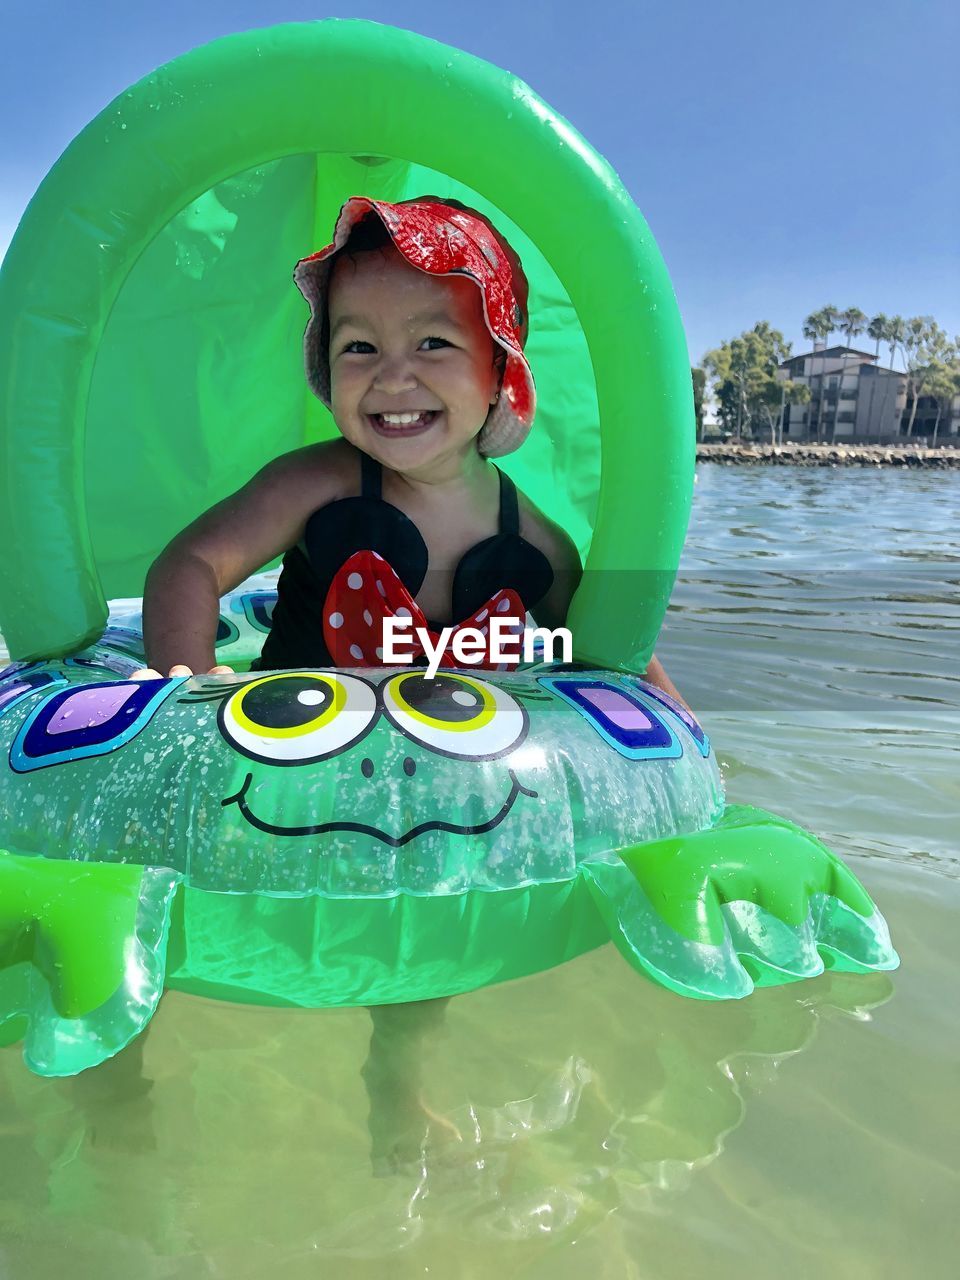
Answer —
(582, 1122)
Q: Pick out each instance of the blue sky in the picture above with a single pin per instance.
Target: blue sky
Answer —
(786, 156)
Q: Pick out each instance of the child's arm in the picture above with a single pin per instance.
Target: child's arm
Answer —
(656, 676)
(224, 546)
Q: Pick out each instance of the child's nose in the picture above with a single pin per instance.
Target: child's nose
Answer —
(395, 375)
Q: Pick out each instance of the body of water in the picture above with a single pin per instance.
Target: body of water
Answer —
(582, 1122)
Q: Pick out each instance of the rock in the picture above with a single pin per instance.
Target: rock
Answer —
(814, 455)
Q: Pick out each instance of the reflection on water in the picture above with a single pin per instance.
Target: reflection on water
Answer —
(524, 1116)
(592, 1137)
(581, 1122)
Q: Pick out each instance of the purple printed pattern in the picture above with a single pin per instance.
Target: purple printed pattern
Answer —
(92, 720)
(89, 708)
(677, 709)
(627, 724)
(617, 709)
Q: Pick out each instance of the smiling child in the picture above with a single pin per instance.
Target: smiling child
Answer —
(415, 343)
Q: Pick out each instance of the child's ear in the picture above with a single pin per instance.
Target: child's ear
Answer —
(500, 364)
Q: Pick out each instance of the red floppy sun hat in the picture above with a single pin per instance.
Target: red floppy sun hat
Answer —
(440, 237)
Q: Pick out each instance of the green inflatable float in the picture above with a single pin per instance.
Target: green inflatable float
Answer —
(343, 837)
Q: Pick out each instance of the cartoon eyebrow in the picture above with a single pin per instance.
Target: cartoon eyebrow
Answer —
(526, 696)
(213, 694)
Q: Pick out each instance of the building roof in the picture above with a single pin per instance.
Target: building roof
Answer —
(828, 351)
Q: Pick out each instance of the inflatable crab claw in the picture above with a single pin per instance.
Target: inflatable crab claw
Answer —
(754, 901)
(82, 957)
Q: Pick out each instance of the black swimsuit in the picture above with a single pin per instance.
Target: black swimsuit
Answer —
(366, 523)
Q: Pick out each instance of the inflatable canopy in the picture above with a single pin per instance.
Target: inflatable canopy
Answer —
(150, 335)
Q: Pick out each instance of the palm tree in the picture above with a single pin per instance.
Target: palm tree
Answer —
(850, 322)
(811, 331)
(894, 336)
(876, 329)
(831, 320)
(820, 324)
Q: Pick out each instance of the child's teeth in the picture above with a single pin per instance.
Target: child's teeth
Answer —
(402, 419)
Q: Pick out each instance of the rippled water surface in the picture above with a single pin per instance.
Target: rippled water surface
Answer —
(582, 1123)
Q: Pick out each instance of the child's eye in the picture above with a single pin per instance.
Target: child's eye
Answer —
(443, 342)
(351, 347)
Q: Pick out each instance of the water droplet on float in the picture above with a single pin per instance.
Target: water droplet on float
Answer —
(123, 126)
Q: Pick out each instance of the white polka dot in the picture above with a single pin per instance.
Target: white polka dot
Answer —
(503, 606)
(356, 652)
(404, 612)
(481, 615)
(355, 581)
(464, 698)
(310, 697)
(336, 620)
(381, 588)
(368, 617)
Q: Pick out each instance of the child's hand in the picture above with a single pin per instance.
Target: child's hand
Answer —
(148, 673)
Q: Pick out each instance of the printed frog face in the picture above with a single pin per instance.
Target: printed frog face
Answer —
(335, 781)
(309, 717)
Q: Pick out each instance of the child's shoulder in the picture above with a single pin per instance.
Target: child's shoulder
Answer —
(314, 474)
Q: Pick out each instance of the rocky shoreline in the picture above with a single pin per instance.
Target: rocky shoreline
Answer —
(830, 455)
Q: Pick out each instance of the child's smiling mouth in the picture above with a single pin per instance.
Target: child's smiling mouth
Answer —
(403, 424)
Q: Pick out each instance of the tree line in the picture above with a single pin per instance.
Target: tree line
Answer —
(742, 373)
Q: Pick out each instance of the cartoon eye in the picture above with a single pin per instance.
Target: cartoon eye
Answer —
(87, 720)
(455, 715)
(621, 717)
(298, 719)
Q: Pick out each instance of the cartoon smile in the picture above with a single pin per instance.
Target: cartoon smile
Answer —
(361, 828)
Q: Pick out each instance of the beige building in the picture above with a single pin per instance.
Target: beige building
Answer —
(853, 398)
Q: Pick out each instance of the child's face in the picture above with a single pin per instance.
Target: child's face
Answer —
(404, 342)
